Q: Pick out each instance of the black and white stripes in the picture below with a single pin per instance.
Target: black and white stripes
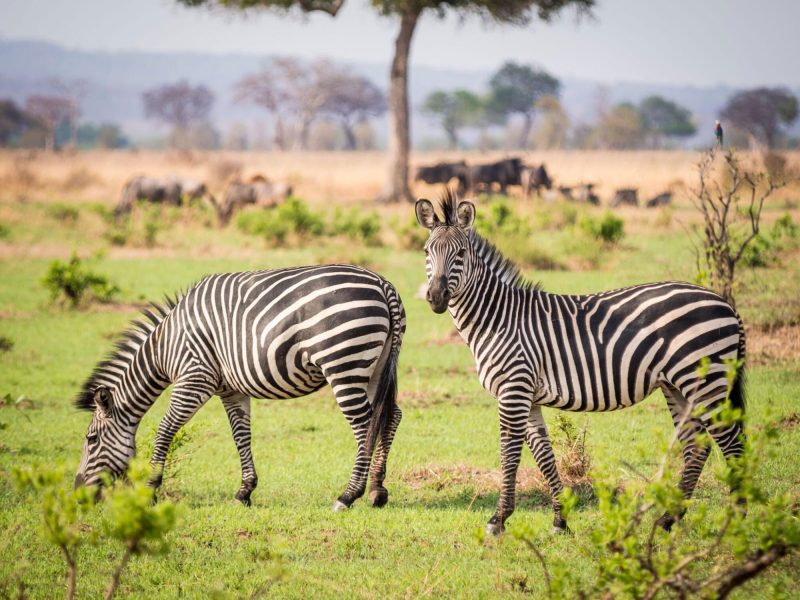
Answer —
(265, 334)
(596, 352)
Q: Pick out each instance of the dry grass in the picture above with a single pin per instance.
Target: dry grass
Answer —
(344, 177)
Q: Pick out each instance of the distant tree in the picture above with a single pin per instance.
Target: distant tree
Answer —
(236, 137)
(50, 112)
(74, 91)
(179, 105)
(621, 128)
(265, 89)
(515, 12)
(553, 126)
(454, 110)
(13, 121)
(516, 88)
(351, 99)
(106, 135)
(762, 112)
(663, 118)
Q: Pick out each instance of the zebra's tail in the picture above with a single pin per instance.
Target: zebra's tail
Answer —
(737, 395)
(385, 400)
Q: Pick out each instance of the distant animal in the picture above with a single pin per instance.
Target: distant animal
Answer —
(663, 199)
(589, 353)
(625, 196)
(259, 191)
(718, 133)
(264, 334)
(585, 193)
(444, 172)
(504, 172)
(535, 178)
(172, 191)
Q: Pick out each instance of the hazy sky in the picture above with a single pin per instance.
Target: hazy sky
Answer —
(701, 42)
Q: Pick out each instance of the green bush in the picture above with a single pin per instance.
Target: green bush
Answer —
(5, 231)
(75, 282)
(609, 228)
(765, 248)
(357, 224)
(66, 213)
(6, 343)
(293, 217)
(499, 218)
(410, 235)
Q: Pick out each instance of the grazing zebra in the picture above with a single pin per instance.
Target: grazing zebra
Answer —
(596, 352)
(264, 334)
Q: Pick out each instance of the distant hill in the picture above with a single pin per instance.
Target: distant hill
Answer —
(117, 80)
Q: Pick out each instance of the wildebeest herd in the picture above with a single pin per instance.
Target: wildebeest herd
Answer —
(499, 175)
(177, 191)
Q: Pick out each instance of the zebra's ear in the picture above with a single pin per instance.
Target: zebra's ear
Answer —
(102, 399)
(466, 214)
(425, 214)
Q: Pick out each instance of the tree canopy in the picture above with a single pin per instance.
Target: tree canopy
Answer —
(666, 118)
(454, 111)
(762, 112)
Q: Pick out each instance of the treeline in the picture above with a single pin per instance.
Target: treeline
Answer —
(321, 105)
(521, 108)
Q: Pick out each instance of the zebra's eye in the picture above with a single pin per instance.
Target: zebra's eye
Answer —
(462, 252)
(91, 438)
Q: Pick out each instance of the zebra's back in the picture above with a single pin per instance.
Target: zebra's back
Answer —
(610, 350)
(285, 333)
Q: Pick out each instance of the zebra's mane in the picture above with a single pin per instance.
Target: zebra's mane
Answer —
(108, 370)
(504, 268)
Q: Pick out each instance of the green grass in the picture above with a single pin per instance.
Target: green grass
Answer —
(423, 543)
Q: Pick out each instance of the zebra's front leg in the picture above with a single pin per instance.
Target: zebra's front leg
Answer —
(542, 450)
(237, 406)
(188, 396)
(513, 416)
(378, 494)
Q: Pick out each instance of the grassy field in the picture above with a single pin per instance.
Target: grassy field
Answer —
(443, 470)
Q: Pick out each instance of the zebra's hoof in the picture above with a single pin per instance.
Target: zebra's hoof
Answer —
(339, 506)
(379, 497)
(561, 530)
(666, 521)
(494, 529)
(244, 498)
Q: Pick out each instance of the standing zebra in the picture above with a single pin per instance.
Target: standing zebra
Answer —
(265, 334)
(596, 352)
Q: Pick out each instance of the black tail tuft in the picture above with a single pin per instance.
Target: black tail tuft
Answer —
(384, 403)
(737, 395)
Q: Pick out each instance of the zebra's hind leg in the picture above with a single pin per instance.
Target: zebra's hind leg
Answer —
(188, 395)
(238, 408)
(687, 428)
(378, 494)
(542, 450)
(352, 399)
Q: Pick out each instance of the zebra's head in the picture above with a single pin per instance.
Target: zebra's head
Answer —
(446, 252)
(109, 444)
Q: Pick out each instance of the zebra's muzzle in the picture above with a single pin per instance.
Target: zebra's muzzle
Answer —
(438, 297)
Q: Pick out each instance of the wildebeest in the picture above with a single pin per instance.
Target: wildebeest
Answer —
(259, 191)
(585, 193)
(628, 196)
(535, 178)
(444, 172)
(503, 172)
(663, 199)
(171, 190)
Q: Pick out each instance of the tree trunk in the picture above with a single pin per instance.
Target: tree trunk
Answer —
(452, 138)
(399, 139)
(527, 123)
(349, 135)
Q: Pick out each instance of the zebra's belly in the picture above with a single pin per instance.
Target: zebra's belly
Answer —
(584, 397)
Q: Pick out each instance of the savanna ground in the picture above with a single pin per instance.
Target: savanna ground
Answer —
(443, 469)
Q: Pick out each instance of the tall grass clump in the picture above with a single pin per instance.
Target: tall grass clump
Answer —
(357, 224)
(63, 212)
(291, 222)
(609, 228)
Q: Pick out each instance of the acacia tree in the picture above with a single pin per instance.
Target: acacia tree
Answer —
(515, 89)
(664, 118)
(762, 112)
(351, 99)
(454, 111)
(180, 105)
(50, 111)
(515, 12)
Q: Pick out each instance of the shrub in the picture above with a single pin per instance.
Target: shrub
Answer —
(6, 343)
(499, 218)
(360, 225)
(66, 213)
(293, 217)
(765, 247)
(609, 228)
(73, 281)
(5, 231)
(411, 235)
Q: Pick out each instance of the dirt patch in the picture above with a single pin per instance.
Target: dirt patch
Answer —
(451, 337)
(777, 345)
(790, 421)
(423, 399)
(439, 477)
